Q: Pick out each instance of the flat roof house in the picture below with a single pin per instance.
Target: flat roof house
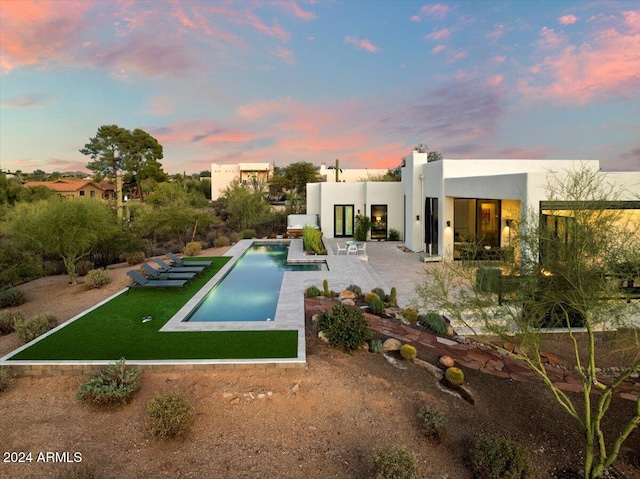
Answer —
(223, 175)
(440, 206)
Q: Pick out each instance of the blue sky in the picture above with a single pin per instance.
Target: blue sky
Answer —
(286, 81)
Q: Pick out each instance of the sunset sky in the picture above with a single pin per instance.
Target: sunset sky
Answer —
(287, 81)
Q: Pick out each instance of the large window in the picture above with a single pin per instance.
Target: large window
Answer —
(343, 220)
(477, 221)
(378, 221)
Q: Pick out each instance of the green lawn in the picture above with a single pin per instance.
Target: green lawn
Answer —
(115, 330)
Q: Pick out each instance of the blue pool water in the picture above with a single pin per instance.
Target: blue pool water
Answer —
(250, 290)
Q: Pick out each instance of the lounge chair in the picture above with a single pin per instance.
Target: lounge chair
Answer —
(177, 261)
(165, 268)
(142, 282)
(156, 274)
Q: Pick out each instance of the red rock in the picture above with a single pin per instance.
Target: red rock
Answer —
(630, 397)
(495, 372)
(495, 365)
(550, 357)
(569, 387)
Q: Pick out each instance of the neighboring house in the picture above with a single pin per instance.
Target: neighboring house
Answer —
(108, 190)
(70, 188)
(440, 207)
(246, 173)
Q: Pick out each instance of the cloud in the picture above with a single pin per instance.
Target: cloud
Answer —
(437, 49)
(264, 108)
(33, 33)
(632, 20)
(458, 56)
(567, 19)
(605, 65)
(439, 35)
(160, 106)
(415, 18)
(549, 39)
(495, 80)
(27, 101)
(363, 44)
(499, 59)
(627, 161)
(284, 54)
(295, 9)
(438, 10)
(497, 32)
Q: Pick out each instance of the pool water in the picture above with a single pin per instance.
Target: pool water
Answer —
(251, 288)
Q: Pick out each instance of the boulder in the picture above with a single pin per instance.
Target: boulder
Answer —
(346, 294)
(446, 361)
(348, 302)
(323, 337)
(435, 371)
(392, 344)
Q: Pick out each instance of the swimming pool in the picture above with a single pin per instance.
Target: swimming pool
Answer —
(249, 291)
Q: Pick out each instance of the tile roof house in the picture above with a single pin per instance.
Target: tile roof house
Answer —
(70, 188)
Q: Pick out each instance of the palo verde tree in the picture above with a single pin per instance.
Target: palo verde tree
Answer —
(567, 275)
(69, 229)
(245, 207)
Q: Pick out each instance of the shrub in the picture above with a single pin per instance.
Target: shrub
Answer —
(433, 423)
(221, 241)
(410, 314)
(362, 227)
(83, 267)
(408, 352)
(396, 462)
(97, 278)
(5, 378)
(454, 375)
(193, 248)
(374, 302)
(434, 322)
(234, 236)
(112, 385)
(376, 346)
(312, 240)
(31, 328)
(393, 297)
(394, 235)
(8, 320)
(12, 297)
(312, 292)
(355, 289)
(169, 415)
(495, 457)
(134, 258)
(345, 326)
(248, 234)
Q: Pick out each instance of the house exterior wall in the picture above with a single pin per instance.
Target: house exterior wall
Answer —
(223, 175)
(348, 175)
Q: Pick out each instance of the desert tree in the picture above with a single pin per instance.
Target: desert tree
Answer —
(245, 207)
(69, 229)
(568, 274)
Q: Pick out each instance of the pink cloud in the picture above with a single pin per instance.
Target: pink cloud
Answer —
(415, 18)
(160, 106)
(260, 109)
(201, 132)
(458, 56)
(549, 39)
(437, 10)
(439, 35)
(495, 80)
(437, 49)
(499, 59)
(363, 44)
(35, 31)
(295, 9)
(26, 101)
(274, 30)
(497, 32)
(284, 54)
(632, 20)
(605, 65)
(568, 19)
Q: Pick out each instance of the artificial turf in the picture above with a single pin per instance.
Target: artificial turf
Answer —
(115, 330)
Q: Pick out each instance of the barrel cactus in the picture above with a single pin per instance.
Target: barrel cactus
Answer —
(408, 352)
(454, 375)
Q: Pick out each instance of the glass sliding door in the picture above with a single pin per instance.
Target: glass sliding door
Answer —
(343, 220)
(378, 222)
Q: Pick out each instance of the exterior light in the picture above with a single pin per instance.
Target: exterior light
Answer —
(508, 222)
(448, 224)
(417, 217)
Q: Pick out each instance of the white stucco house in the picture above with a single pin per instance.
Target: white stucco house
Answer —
(347, 175)
(223, 175)
(439, 206)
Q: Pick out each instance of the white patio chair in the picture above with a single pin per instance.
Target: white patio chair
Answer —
(352, 248)
(341, 249)
(362, 249)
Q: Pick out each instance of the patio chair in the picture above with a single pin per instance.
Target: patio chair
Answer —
(177, 261)
(142, 282)
(341, 249)
(165, 268)
(362, 248)
(352, 248)
(156, 274)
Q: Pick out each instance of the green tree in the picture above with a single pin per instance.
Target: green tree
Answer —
(141, 157)
(560, 279)
(245, 207)
(68, 229)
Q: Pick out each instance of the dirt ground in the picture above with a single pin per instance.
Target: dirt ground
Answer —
(322, 422)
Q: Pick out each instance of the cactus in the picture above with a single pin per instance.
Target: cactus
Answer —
(393, 298)
(454, 375)
(411, 314)
(380, 293)
(408, 352)
(325, 287)
(376, 346)
(374, 302)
